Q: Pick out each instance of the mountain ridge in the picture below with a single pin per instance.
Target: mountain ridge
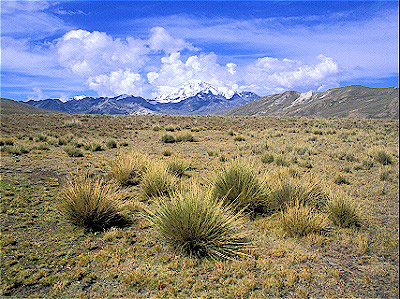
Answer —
(194, 98)
(349, 101)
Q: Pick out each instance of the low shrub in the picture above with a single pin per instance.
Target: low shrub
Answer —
(341, 180)
(91, 204)
(170, 128)
(286, 190)
(383, 157)
(111, 144)
(237, 185)
(196, 225)
(300, 220)
(178, 167)
(157, 181)
(343, 213)
(8, 142)
(281, 161)
(168, 138)
(73, 152)
(167, 153)
(267, 158)
(239, 138)
(184, 137)
(40, 138)
(128, 169)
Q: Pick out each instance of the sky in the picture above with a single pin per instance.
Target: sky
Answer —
(107, 48)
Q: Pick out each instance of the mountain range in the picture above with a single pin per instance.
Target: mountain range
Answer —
(200, 98)
(194, 97)
(351, 101)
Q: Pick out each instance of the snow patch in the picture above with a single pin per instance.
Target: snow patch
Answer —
(304, 98)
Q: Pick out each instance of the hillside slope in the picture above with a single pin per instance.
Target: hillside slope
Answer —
(8, 106)
(350, 101)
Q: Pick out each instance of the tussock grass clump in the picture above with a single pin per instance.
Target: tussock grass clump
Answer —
(239, 138)
(128, 169)
(383, 157)
(96, 147)
(343, 213)
(341, 180)
(300, 220)
(194, 224)
(170, 128)
(91, 204)
(111, 144)
(15, 150)
(73, 152)
(267, 158)
(178, 166)
(40, 138)
(167, 153)
(73, 123)
(157, 181)
(237, 184)
(168, 138)
(287, 190)
(184, 137)
(281, 161)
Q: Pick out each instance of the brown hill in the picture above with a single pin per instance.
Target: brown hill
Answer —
(350, 101)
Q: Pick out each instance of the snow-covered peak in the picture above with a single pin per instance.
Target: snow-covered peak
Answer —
(122, 96)
(77, 98)
(189, 89)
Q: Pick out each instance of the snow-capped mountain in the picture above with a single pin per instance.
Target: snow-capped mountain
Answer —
(189, 89)
(194, 97)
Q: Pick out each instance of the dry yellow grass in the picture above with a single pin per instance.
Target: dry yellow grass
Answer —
(43, 255)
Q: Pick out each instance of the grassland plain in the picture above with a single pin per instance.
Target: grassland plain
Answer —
(43, 255)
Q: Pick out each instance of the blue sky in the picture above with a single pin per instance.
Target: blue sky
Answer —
(105, 48)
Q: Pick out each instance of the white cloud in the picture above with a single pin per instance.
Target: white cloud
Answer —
(269, 74)
(175, 71)
(21, 56)
(92, 53)
(161, 40)
(30, 18)
(116, 83)
(364, 47)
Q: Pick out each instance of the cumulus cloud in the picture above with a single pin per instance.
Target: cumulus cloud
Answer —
(176, 71)
(116, 83)
(92, 53)
(270, 74)
(161, 40)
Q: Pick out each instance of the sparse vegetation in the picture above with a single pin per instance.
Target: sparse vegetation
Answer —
(343, 213)
(178, 166)
(111, 144)
(383, 157)
(73, 152)
(238, 185)
(128, 169)
(157, 181)
(91, 204)
(168, 138)
(44, 254)
(198, 226)
(300, 220)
